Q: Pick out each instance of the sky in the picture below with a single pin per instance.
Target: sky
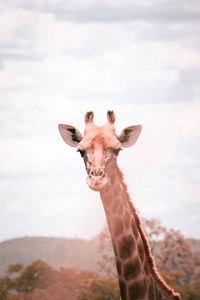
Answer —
(60, 59)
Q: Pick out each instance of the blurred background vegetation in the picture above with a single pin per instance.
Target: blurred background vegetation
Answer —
(57, 269)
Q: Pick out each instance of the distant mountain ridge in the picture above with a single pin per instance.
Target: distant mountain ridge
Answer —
(57, 252)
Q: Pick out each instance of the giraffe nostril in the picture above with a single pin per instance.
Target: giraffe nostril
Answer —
(96, 173)
(100, 173)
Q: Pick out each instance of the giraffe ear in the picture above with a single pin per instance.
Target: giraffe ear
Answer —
(129, 135)
(70, 134)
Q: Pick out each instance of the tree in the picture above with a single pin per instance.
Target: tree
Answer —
(172, 252)
(3, 289)
(100, 288)
(176, 256)
(17, 268)
(155, 231)
(36, 275)
(106, 265)
(74, 284)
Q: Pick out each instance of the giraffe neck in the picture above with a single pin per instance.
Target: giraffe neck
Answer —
(137, 275)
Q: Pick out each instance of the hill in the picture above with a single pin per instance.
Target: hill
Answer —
(57, 252)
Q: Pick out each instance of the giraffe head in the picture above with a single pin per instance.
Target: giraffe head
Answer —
(99, 146)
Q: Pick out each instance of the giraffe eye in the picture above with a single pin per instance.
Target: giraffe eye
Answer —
(82, 152)
(116, 151)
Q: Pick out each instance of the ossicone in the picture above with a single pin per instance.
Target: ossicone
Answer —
(110, 116)
(89, 117)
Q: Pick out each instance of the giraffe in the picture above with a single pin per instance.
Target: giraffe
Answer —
(99, 146)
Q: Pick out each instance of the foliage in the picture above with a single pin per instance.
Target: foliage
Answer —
(173, 255)
(100, 288)
(74, 284)
(189, 291)
(3, 289)
(36, 275)
(106, 265)
(175, 259)
(155, 231)
(41, 282)
(172, 252)
(14, 268)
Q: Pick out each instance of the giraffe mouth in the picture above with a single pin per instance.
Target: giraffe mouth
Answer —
(97, 184)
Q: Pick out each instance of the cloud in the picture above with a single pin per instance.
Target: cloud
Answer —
(164, 162)
(124, 60)
(115, 11)
(39, 174)
(59, 59)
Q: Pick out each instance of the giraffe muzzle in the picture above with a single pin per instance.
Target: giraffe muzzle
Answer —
(97, 173)
(97, 179)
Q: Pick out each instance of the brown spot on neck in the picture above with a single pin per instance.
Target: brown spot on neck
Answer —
(123, 291)
(126, 246)
(137, 290)
(132, 268)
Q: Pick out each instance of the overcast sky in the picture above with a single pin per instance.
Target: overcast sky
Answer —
(59, 59)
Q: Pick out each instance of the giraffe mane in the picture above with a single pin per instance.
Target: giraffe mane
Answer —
(156, 276)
